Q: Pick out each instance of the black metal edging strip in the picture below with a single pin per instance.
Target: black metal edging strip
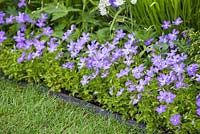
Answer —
(89, 106)
(96, 109)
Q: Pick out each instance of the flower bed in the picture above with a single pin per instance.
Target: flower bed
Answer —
(154, 80)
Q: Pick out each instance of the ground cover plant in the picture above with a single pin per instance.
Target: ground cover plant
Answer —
(28, 109)
(151, 78)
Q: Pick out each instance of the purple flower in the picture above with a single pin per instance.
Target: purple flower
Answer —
(95, 74)
(85, 80)
(112, 3)
(2, 14)
(105, 74)
(129, 49)
(179, 68)
(166, 24)
(164, 79)
(39, 45)
(167, 96)
(128, 60)
(161, 109)
(131, 37)
(36, 54)
(173, 36)
(150, 73)
(192, 69)
(10, 19)
(198, 111)
(198, 96)
(82, 62)
(44, 16)
(180, 84)
(178, 21)
(52, 45)
(119, 93)
(59, 55)
(75, 47)
(131, 88)
(172, 76)
(22, 3)
(111, 46)
(92, 49)
(19, 37)
(40, 23)
(198, 102)
(147, 79)
(20, 45)
(23, 27)
(197, 77)
(159, 62)
(183, 57)
(52, 48)
(149, 41)
(116, 54)
(137, 71)
(135, 101)
(2, 36)
(140, 87)
(162, 96)
(175, 119)
(120, 34)
(22, 58)
(184, 34)
(128, 83)
(68, 33)
(22, 18)
(84, 38)
(27, 45)
(47, 31)
(163, 38)
(29, 56)
(123, 72)
(69, 65)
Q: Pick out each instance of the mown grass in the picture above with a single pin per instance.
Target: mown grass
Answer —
(29, 110)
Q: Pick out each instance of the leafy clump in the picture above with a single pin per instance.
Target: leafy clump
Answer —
(195, 47)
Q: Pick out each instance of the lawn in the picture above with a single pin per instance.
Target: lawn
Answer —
(29, 110)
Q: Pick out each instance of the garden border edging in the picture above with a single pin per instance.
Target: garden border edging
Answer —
(94, 108)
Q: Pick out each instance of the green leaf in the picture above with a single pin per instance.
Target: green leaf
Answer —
(57, 11)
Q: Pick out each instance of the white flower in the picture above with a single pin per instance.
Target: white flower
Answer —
(102, 6)
(103, 11)
(119, 2)
(133, 1)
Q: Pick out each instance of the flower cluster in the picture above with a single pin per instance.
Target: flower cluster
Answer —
(168, 24)
(114, 3)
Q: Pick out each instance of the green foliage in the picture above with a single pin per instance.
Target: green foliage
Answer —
(154, 12)
(194, 51)
(82, 13)
(151, 13)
